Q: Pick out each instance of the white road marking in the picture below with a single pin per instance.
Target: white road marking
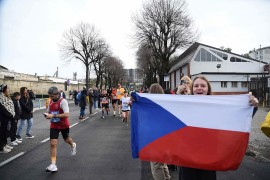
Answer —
(43, 141)
(73, 125)
(84, 119)
(11, 159)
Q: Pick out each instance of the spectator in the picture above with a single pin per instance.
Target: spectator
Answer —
(27, 114)
(18, 111)
(7, 114)
(160, 171)
(82, 103)
(95, 92)
(185, 86)
(74, 96)
(201, 86)
(91, 100)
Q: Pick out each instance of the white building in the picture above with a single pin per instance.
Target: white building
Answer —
(228, 73)
(262, 54)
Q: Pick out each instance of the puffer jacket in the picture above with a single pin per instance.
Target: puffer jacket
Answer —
(17, 108)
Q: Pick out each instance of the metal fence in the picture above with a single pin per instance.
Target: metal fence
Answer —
(39, 103)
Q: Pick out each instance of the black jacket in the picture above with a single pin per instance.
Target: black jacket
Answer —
(83, 102)
(27, 108)
(18, 109)
(5, 116)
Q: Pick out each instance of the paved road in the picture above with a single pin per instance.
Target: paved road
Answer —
(104, 153)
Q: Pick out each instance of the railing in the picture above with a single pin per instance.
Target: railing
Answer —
(39, 103)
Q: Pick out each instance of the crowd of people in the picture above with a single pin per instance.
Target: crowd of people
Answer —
(14, 110)
(19, 108)
(101, 99)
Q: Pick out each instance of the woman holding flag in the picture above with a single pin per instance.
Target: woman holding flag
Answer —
(201, 86)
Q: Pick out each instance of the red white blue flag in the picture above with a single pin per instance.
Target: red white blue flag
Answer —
(205, 132)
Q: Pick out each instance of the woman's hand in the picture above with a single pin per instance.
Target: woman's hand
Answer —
(253, 101)
(184, 89)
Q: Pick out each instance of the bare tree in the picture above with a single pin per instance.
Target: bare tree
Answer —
(114, 71)
(98, 58)
(165, 26)
(147, 64)
(79, 44)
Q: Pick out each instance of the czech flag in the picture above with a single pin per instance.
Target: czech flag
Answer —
(204, 132)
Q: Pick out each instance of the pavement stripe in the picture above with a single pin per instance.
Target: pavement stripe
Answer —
(84, 119)
(11, 159)
(73, 125)
(45, 140)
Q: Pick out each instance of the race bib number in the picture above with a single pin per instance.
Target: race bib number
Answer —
(55, 120)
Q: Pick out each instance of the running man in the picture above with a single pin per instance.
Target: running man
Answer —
(120, 93)
(58, 112)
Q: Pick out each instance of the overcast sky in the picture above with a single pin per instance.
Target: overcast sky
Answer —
(31, 30)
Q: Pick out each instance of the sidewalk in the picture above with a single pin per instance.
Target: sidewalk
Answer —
(259, 144)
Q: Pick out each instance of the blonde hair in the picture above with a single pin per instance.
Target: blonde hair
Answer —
(156, 89)
(185, 78)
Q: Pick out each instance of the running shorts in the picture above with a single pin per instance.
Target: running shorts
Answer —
(54, 133)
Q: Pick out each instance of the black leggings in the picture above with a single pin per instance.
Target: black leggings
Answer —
(186, 173)
(3, 134)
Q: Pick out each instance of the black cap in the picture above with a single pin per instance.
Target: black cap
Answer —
(53, 90)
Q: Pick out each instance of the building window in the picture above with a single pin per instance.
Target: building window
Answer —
(234, 84)
(222, 55)
(224, 84)
(197, 58)
(204, 55)
(244, 84)
(235, 59)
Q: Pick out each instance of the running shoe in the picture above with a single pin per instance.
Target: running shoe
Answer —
(73, 149)
(51, 168)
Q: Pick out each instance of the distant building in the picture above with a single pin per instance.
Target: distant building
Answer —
(228, 73)
(133, 76)
(262, 54)
(39, 84)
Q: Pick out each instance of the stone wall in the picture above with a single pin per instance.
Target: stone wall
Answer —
(38, 87)
(39, 84)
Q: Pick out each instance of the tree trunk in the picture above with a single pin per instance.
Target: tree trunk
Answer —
(87, 77)
(98, 79)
